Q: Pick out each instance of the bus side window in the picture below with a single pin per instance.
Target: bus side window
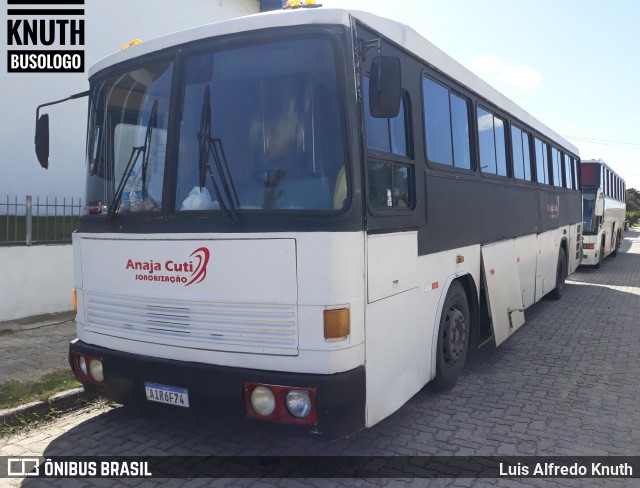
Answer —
(446, 120)
(386, 135)
(520, 143)
(555, 167)
(566, 162)
(389, 186)
(491, 140)
(390, 183)
(542, 161)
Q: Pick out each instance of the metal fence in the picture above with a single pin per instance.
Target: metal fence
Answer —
(39, 221)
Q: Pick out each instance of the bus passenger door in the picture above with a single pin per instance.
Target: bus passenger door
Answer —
(575, 247)
(502, 285)
(397, 345)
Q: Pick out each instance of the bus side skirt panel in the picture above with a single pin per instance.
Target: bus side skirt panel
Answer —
(502, 284)
(526, 252)
(401, 334)
(394, 359)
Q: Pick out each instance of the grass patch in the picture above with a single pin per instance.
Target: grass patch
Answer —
(25, 422)
(53, 228)
(22, 423)
(16, 393)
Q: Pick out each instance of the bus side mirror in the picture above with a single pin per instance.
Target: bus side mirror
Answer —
(599, 210)
(385, 87)
(42, 140)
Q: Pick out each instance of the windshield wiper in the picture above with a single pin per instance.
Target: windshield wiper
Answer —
(211, 147)
(133, 158)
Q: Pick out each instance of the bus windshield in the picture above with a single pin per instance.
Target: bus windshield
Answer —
(588, 209)
(128, 125)
(258, 128)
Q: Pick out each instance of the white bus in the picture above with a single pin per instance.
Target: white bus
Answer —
(303, 217)
(603, 214)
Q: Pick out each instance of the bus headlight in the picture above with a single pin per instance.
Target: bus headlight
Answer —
(298, 403)
(95, 366)
(263, 401)
(82, 363)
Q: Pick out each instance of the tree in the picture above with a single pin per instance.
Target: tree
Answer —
(633, 206)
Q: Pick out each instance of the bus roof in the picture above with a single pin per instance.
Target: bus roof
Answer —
(602, 163)
(398, 33)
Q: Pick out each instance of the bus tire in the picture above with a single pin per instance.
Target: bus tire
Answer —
(616, 245)
(561, 276)
(453, 337)
(601, 255)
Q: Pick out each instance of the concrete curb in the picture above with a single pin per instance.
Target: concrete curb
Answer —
(35, 322)
(65, 400)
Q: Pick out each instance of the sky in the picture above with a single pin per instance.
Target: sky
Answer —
(572, 64)
(108, 25)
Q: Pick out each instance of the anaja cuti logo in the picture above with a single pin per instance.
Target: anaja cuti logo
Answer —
(188, 272)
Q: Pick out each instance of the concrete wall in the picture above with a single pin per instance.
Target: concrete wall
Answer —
(35, 280)
(39, 279)
(108, 25)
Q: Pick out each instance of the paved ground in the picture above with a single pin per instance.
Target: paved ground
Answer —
(31, 348)
(567, 383)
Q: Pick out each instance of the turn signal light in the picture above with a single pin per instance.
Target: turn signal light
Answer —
(589, 246)
(74, 299)
(336, 324)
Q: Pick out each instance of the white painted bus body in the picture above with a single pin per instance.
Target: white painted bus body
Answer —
(609, 231)
(406, 295)
(252, 303)
(604, 211)
(261, 303)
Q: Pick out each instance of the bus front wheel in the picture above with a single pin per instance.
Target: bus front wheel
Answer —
(453, 337)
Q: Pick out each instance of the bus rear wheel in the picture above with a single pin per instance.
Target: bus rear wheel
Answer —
(601, 255)
(616, 246)
(561, 276)
(453, 337)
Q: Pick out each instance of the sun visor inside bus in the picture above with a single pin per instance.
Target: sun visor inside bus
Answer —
(200, 70)
(146, 76)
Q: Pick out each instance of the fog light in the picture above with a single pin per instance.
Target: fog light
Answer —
(83, 365)
(263, 401)
(298, 403)
(95, 366)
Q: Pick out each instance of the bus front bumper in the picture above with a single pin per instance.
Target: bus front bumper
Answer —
(590, 257)
(220, 392)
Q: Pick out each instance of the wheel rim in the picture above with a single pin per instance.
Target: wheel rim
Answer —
(454, 335)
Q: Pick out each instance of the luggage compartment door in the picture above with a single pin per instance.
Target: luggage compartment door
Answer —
(502, 285)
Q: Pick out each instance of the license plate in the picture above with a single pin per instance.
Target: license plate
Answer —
(171, 395)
